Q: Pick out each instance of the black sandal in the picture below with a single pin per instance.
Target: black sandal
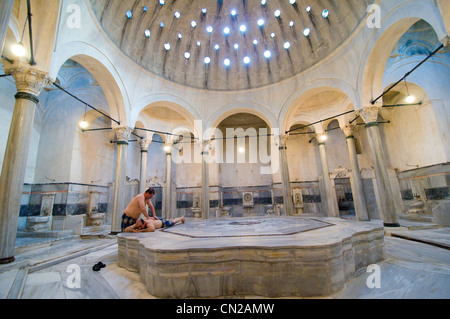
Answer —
(98, 266)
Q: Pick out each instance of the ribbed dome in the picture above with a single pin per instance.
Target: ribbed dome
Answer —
(199, 29)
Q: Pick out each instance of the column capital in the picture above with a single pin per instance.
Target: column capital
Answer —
(446, 40)
(348, 130)
(144, 144)
(29, 80)
(369, 114)
(122, 134)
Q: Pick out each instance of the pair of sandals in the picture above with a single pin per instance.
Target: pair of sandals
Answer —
(98, 266)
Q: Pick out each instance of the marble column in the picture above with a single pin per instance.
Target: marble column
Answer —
(285, 180)
(122, 136)
(382, 181)
(359, 198)
(29, 83)
(205, 180)
(168, 189)
(144, 144)
(5, 14)
(331, 204)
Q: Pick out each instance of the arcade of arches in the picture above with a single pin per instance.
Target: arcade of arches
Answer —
(292, 132)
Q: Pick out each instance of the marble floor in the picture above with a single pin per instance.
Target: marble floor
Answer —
(413, 269)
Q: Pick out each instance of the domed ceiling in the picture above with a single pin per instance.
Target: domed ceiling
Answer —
(228, 44)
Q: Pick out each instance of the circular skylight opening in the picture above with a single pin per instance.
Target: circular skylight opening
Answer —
(177, 14)
(144, 9)
(199, 43)
(209, 29)
(308, 9)
(204, 10)
(187, 55)
(129, 14)
(236, 46)
(226, 30)
(179, 35)
(287, 45)
(161, 24)
(161, 2)
(243, 28)
(233, 12)
(207, 60)
(193, 23)
(255, 42)
(267, 54)
(291, 24)
(292, 1)
(306, 32)
(147, 33)
(227, 62)
(246, 60)
(167, 46)
(216, 47)
(272, 35)
(277, 13)
(263, 2)
(260, 22)
(325, 13)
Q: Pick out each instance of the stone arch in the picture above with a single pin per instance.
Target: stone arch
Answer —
(103, 70)
(233, 108)
(171, 102)
(383, 40)
(302, 99)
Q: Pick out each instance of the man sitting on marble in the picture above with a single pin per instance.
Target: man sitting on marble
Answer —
(136, 207)
(151, 224)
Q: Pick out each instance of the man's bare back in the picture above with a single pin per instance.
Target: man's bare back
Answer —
(137, 206)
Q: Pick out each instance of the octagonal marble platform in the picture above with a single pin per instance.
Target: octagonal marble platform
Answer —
(259, 256)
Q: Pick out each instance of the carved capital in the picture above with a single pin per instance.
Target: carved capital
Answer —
(369, 114)
(28, 79)
(348, 130)
(122, 133)
(144, 144)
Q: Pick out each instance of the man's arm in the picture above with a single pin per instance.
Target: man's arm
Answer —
(130, 229)
(152, 208)
(142, 208)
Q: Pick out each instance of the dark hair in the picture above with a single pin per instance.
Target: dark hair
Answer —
(150, 191)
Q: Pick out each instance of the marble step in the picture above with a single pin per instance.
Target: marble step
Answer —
(12, 283)
(45, 234)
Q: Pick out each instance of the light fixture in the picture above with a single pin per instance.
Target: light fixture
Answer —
(409, 98)
(263, 2)
(226, 30)
(291, 24)
(204, 10)
(84, 124)
(246, 60)
(161, 2)
(227, 62)
(209, 29)
(277, 13)
(308, 9)
(241, 150)
(260, 22)
(243, 28)
(129, 14)
(179, 35)
(217, 47)
(287, 45)
(147, 33)
(272, 35)
(236, 46)
(207, 60)
(193, 23)
(18, 49)
(306, 32)
(187, 55)
(199, 43)
(255, 42)
(233, 12)
(161, 24)
(323, 137)
(167, 148)
(292, 1)
(267, 54)
(325, 13)
(177, 14)
(167, 46)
